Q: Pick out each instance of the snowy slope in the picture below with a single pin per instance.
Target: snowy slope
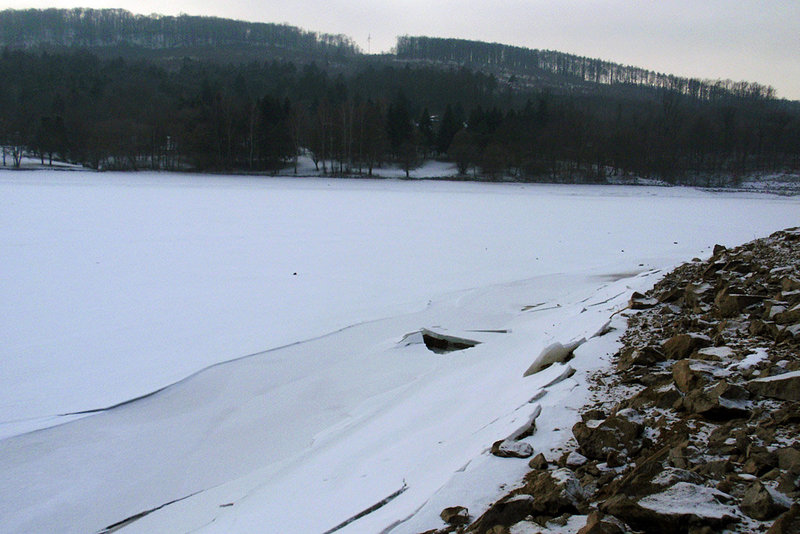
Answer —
(117, 285)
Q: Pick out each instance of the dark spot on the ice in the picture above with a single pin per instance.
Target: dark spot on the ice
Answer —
(226, 505)
(294, 274)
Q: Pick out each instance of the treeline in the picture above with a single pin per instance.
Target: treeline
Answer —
(574, 68)
(97, 28)
(260, 116)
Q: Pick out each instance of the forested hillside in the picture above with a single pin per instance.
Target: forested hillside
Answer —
(543, 66)
(88, 87)
(119, 32)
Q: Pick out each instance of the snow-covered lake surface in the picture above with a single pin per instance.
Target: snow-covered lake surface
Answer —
(114, 286)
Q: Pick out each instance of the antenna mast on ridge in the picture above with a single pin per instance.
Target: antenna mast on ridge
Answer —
(369, 42)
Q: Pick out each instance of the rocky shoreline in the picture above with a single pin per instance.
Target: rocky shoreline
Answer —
(697, 429)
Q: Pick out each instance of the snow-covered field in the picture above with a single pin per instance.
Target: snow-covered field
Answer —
(114, 286)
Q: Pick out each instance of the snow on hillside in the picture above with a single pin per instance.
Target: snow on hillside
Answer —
(117, 285)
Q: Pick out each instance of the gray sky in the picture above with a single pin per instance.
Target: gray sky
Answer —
(742, 40)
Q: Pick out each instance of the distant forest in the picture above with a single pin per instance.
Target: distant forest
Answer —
(112, 90)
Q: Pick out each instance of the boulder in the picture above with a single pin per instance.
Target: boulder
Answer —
(760, 503)
(455, 515)
(505, 448)
(683, 345)
(785, 386)
(538, 462)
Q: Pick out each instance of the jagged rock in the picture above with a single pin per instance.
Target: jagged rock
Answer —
(597, 523)
(785, 386)
(675, 509)
(788, 523)
(759, 503)
(619, 433)
(683, 345)
(538, 462)
(718, 251)
(455, 515)
(511, 449)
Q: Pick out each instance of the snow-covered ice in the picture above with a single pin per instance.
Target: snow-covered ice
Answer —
(269, 315)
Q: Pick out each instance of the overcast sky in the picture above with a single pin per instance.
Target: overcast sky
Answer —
(741, 40)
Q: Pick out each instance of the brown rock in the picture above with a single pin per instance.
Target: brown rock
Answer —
(538, 462)
(506, 448)
(758, 503)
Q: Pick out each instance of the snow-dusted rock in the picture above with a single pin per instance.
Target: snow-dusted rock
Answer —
(512, 449)
(785, 386)
(674, 509)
